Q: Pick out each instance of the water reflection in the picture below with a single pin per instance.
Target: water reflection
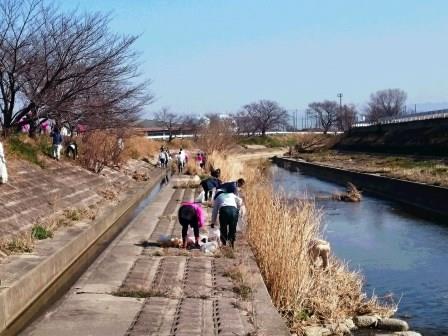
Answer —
(396, 251)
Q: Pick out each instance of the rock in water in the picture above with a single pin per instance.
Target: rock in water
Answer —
(317, 331)
(365, 321)
(393, 324)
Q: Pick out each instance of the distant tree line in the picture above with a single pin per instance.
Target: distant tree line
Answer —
(266, 115)
(332, 116)
(67, 67)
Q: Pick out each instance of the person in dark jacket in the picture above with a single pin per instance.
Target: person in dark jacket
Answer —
(230, 187)
(208, 185)
(57, 143)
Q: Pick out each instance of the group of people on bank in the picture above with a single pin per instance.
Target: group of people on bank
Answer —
(227, 205)
(181, 159)
(57, 135)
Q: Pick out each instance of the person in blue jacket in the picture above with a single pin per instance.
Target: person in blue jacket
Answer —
(230, 187)
(208, 185)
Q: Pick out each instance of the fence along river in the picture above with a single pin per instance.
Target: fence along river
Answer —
(396, 252)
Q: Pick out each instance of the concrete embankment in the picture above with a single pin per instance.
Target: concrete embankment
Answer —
(418, 197)
(421, 137)
(137, 287)
(27, 279)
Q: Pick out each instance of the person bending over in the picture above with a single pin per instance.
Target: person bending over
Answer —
(208, 185)
(191, 214)
(227, 205)
(230, 187)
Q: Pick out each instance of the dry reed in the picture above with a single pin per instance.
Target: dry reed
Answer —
(280, 236)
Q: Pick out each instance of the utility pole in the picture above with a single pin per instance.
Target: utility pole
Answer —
(340, 100)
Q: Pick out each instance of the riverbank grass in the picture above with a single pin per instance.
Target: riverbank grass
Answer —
(280, 235)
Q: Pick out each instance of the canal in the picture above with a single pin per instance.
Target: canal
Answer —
(397, 252)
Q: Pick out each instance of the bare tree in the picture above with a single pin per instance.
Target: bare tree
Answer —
(346, 117)
(217, 135)
(66, 67)
(171, 121)
(244, 124)
(386, 103)
(325, 113)
(193, 125)
(266, 115)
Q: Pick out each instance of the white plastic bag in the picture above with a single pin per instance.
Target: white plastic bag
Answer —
(214, 235)
(200, 198)
(209, 247)
(241, 225)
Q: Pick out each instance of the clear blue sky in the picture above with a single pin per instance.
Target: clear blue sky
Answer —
(216, 55)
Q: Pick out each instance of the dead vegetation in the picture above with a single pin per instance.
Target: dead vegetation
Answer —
(352, 194)
(279, 235)
(139, 293)
(240, 279)
(309, 143)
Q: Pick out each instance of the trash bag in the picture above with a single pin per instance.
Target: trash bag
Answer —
(209, 247)
(214, 235)
(200, 198)
(241, 225)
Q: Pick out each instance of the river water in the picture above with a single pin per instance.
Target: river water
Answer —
(397, 252)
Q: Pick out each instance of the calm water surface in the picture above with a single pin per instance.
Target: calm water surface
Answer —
(397, 252)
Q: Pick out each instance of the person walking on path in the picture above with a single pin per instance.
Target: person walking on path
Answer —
(3, 170)
(192, 215)
(227, 205)
(181, 160)
(162, 158)
(57, 143)
(203, 160)
(167, 156)
(199, 160)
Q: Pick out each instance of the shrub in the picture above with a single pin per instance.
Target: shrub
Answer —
(139, 147)
(101, 148)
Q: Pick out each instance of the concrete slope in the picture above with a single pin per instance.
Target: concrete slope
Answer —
(186, 292)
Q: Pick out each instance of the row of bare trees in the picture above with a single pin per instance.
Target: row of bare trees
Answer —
(67, 67)
(254, 118)
(331, 115)
(267, 115)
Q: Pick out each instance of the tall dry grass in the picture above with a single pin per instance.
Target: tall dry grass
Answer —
(280, 236)
(230, 169)
(139, 147)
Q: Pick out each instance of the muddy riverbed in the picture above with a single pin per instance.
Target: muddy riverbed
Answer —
(397, 252)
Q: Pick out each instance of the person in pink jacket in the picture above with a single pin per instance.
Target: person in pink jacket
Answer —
(191, 214)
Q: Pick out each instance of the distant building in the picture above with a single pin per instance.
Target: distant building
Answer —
(156, 130)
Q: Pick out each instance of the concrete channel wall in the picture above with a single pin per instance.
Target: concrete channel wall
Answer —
(423, 198)
(31, 276)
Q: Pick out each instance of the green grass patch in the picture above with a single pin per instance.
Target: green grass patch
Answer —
(28, 149)
(39, 232)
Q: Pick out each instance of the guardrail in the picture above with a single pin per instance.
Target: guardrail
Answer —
(182, 136)
(439, 114)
